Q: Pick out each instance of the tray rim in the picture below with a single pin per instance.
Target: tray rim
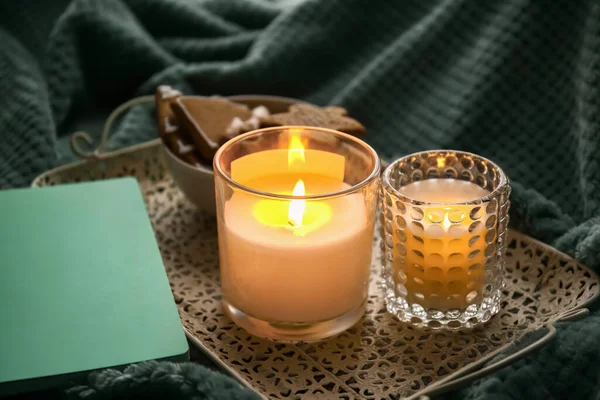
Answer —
(448, 380)
(95, 158)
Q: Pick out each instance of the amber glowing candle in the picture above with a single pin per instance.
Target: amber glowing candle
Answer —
(445, 221)
(444, 249)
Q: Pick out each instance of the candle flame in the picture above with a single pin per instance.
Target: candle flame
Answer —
(447, 224)
(296, 210)
(295, 150)
(441, 162)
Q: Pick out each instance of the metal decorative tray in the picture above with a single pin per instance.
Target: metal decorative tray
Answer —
(379, 357)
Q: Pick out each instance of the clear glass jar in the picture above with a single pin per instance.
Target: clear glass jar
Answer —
(444, 228)
(296, 211)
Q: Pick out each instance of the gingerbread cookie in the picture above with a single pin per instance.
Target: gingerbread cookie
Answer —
(207, 119)
(331, 117)
(172, 135)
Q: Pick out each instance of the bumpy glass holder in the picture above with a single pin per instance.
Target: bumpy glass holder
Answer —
(443, 262)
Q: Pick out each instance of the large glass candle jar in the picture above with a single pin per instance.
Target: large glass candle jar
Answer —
(296, 212)
(445, 222)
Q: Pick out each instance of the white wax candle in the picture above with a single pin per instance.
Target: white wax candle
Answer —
(276, 272)
(443, 191)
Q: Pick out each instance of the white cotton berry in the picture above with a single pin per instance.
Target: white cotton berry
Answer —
(261, 112)
(234, 127)
(252, 124)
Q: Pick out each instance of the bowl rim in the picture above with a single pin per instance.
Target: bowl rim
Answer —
(237, 97)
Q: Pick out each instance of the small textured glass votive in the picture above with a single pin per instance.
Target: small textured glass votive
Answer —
(445, 223)
(296, 213)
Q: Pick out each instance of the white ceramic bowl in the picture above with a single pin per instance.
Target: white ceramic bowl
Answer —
(198, 183)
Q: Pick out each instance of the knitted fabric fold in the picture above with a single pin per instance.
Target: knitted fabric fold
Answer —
(515, 81)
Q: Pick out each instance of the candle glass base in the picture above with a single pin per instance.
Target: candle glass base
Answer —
(422, 316)
(444, 227)
(294, 331)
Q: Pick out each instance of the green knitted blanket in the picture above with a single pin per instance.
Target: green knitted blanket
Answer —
(517, 81)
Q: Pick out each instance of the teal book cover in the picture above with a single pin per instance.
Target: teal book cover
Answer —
(82, 285)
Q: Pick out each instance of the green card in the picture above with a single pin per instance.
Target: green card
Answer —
(82, 285)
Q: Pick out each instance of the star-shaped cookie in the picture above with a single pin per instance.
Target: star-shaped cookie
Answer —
(331, 117)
